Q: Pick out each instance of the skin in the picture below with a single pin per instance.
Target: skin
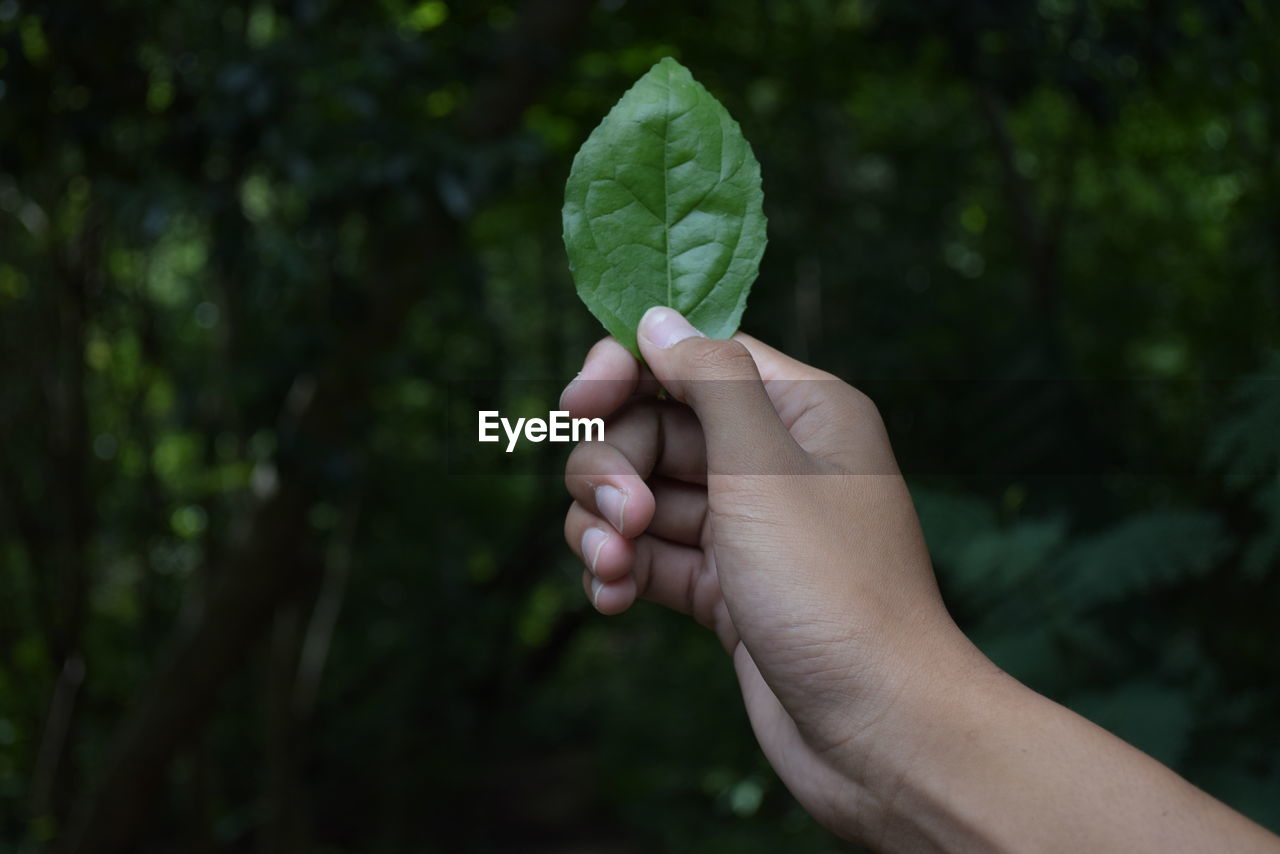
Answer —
(761, 497)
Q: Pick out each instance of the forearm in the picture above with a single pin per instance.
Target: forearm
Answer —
(984, 764)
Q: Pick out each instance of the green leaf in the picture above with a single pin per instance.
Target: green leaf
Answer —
(664, 207)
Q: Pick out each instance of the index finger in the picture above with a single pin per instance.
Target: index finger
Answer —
(609, 376)
(774, 364)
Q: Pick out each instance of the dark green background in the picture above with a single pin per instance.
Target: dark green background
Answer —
(245, 248)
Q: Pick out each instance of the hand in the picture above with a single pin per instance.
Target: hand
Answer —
(764, 500)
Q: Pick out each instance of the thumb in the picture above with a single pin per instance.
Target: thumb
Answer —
(718, 379)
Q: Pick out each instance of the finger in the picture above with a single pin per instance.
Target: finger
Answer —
(718, 379)
(648, 386)
(793, 386)
(609, 598)
(680, 509)
(605, 482)
(832, 419)
(669, 574)
(607, 555)
(647, 437)
(680, 577)
(660, 437)
(609, 376)
(774, 364)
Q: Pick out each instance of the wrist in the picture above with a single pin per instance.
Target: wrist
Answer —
(904, 759)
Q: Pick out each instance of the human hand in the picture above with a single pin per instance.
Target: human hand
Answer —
(764, 500)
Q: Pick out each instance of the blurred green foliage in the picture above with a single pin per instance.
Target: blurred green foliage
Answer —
(244, 248)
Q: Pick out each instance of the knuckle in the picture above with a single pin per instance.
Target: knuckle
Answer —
(862, 407)
(721, 358)
(584, 463)
(604, 345)
(575, 465)
(640, 415)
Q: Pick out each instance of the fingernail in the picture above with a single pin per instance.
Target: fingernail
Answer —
(665, 327)
(596, 586)
(593, 540)
(612, 502)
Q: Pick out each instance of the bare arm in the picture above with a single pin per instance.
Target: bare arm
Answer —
(993, 766)
(764, 501)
